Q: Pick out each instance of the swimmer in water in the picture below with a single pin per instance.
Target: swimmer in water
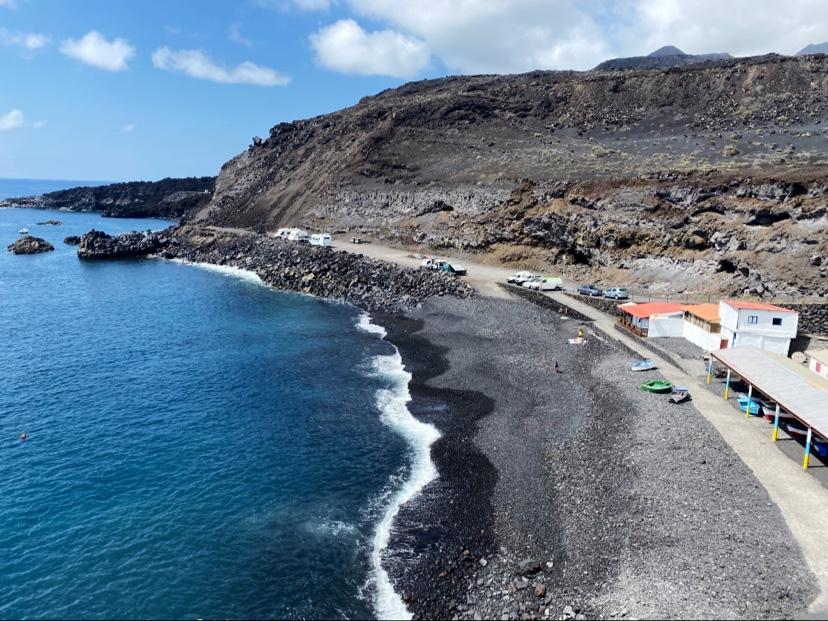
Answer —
(24, 436)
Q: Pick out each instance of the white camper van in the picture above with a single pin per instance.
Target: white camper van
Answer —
(298, 235)
(321, 239)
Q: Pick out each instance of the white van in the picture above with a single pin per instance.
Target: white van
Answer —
(298, 235)
(321, 239)
(545, 283)
(281, 234)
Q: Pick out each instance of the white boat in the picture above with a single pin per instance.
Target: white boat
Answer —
(24, 231)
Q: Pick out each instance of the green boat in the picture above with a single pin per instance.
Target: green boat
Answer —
(656, 386)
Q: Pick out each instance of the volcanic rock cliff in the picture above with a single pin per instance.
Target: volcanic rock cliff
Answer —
(710, 177)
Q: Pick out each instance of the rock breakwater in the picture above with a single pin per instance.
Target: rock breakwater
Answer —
(324, 272)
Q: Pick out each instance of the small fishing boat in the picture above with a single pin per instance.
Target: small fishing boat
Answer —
(795, 430)
(659, 386)
(680, 394)
(643, 365)
(24, 231)
(754, 406)
(770, 414)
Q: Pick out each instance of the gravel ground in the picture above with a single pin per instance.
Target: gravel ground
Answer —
(575, 494)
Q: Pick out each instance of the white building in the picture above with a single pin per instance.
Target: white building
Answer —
(653, 319)
(818, 361)
(702, 326)
(765, 326)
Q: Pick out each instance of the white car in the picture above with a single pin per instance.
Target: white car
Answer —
(521, 277)
(546, 283)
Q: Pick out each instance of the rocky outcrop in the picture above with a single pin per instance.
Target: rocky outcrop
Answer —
(30, 245)
(72, 240)
(168, 198)
(99, 245)
(50, 223)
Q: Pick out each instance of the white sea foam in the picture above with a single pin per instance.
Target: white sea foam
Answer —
(364, 324)
(227, 270)
(392, 403)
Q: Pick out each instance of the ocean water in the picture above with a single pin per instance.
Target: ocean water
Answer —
(14, 188)
(199, 445)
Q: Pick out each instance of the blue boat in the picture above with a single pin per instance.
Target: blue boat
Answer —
(643, 365)
(754, 405)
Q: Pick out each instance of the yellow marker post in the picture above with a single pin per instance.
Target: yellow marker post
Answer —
(806, 460)
(749, 401)
(727, 384)
(710, 370)
(776, 424)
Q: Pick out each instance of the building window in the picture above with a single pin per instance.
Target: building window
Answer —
(777, 321)
(753, 319)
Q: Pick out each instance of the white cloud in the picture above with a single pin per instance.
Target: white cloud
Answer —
(94, 50)
(27, 41)
(10, 4)
(505, 36)
(196, 64)
(128, 128)
(11, 120)
(345, 47)
(39, 124)
(741, 27)
(235, 35)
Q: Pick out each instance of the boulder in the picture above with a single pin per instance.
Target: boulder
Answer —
(30, 245)
(99, 245)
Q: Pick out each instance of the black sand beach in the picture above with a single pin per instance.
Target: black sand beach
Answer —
(573, 494)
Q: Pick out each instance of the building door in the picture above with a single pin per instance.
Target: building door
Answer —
(723, 344)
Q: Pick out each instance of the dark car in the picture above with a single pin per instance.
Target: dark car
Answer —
(590, 290)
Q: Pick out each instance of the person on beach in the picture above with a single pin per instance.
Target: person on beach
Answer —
(581, 331)
(557, 367)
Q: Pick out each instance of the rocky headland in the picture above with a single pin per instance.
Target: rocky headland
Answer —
(167, 198)
(30, 245)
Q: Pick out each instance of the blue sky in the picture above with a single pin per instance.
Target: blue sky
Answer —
(117, 90)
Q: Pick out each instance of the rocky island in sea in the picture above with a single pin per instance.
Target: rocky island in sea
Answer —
(569, 494)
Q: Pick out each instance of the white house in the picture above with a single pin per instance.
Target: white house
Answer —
(653, 319)
(818, 361)
(702, 326)
(765, 326)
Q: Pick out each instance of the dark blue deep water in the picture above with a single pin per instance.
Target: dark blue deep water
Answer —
(199, 445)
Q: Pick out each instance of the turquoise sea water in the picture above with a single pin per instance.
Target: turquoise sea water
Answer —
(199, 445)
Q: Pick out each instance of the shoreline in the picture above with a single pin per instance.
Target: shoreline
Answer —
(572, 503)
(451, 546)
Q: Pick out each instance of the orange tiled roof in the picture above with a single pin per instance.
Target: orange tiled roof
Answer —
(708, 312)
(744, 304)
(647, 309)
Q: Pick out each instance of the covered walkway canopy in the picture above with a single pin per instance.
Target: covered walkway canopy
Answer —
(799, 391)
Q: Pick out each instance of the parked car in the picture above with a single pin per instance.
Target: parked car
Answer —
(453, 268)
(431, 264)
(590, 290)
(520, 277)
(545, 283)
(530, 281)
(617, 293)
